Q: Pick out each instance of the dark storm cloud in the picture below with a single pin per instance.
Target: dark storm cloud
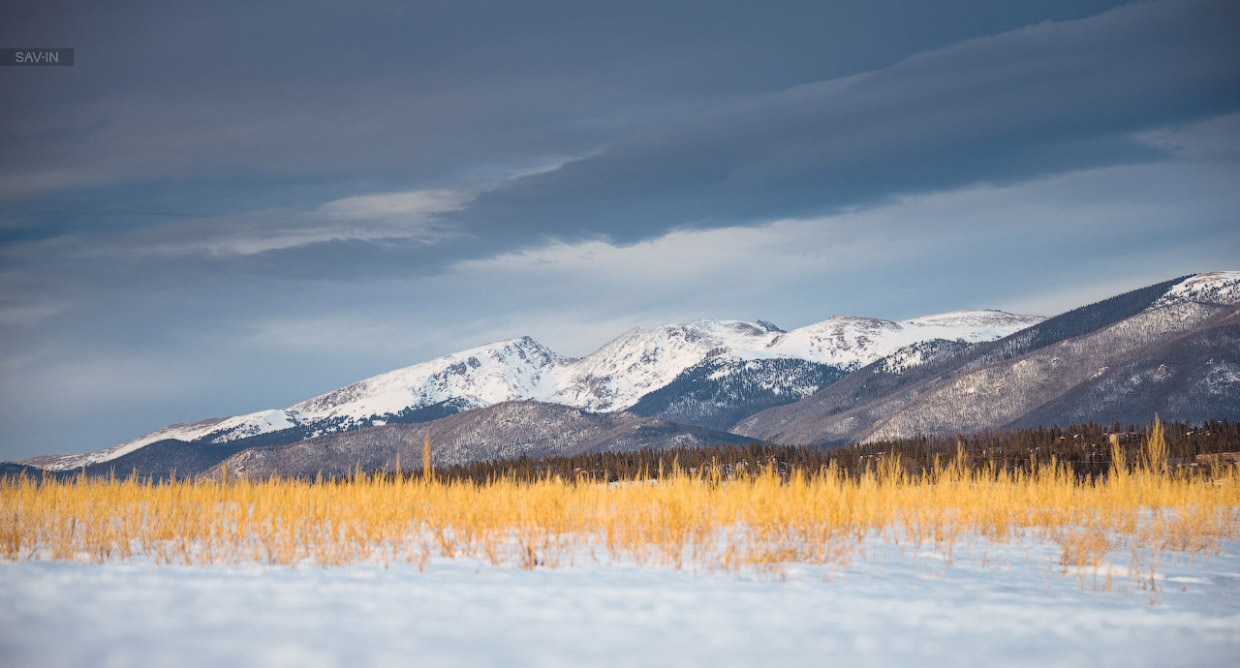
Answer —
(395, 95)
(1040, 100)
(223, 137)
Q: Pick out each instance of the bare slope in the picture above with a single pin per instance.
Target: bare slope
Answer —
(1007, 392)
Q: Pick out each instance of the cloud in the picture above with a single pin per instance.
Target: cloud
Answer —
(27, 314)
(396, 96)
(1216, 139)
(1044, 99)
(393, 217)
(398, 206)
(1012, 245)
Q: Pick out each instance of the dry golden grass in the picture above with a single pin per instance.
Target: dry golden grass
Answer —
(760, 522)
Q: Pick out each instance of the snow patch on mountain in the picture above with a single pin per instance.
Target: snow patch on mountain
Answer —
(1216, 287)
(519, 368)
(855, 342)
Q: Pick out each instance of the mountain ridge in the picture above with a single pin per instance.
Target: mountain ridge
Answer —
(615, 377)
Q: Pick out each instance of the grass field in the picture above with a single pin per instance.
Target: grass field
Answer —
(701, 520)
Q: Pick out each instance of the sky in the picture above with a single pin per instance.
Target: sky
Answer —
(222, 208)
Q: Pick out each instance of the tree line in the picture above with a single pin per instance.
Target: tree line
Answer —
(1085, 449)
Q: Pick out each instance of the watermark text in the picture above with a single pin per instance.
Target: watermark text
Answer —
(36, 57)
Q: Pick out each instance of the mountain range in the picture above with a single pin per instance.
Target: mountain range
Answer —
(1169, 348)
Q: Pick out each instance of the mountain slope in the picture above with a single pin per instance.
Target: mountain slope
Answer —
(1195, 377)
(503, 431)
(1004, 393)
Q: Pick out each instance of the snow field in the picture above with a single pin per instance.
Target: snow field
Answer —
(993, 604)
(961, 566)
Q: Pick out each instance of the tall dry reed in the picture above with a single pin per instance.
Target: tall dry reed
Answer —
(760, 521)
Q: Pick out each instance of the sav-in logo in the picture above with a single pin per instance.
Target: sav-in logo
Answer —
(36, 57)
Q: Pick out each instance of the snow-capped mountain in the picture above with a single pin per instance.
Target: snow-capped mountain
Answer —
(615, 377)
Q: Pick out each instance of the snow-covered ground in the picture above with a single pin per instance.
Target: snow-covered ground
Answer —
(1007, 605)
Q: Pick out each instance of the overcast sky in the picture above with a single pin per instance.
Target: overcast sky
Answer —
(220, 210)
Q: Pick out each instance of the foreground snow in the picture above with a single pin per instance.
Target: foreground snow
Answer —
(992, 605)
